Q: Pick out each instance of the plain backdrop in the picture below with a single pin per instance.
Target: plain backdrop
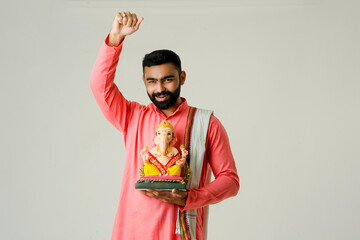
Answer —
(283, 76)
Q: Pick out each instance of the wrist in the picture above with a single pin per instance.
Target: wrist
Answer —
(115, 39)
(183, 200)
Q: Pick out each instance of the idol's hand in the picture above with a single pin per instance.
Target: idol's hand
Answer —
(181, 162)
(124, 24)
(184, 152)
(174, 196)
(145, 155)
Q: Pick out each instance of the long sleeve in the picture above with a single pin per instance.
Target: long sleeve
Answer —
(112, 103)
(220, 158)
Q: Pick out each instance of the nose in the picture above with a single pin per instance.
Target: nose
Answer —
(160, 87)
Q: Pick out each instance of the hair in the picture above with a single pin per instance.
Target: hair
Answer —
(159, 57)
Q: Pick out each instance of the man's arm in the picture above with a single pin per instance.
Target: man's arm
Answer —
(110, 100)
(222, 163)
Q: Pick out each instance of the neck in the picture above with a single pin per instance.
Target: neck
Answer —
(173, 108)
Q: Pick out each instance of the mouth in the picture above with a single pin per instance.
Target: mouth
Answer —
(162, 98)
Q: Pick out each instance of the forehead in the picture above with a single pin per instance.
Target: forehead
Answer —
(159, 71)
(166, 129)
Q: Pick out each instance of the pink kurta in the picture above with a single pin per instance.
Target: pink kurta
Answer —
(139, 216)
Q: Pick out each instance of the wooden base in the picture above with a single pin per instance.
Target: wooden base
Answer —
(161, 183)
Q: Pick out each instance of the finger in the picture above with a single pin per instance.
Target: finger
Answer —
(134, 20)
(129, 17)
(176, 193)
(149, 194)
(146, 193)
(153, 193)
(124, 18)
(138, 23)
(180, 194)
(118, 17)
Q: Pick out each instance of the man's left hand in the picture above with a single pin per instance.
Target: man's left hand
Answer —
(174, 196)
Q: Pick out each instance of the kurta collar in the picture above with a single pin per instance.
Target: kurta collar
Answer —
(183, 106)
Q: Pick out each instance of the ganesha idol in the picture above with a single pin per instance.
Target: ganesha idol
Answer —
(164, 167)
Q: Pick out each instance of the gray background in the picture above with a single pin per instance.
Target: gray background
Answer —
(281, 75)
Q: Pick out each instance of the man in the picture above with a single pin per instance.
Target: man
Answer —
(155, 214)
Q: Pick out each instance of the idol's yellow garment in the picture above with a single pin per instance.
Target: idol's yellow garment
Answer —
(151, 170)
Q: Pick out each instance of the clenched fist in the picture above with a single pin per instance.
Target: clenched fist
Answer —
(124, 24)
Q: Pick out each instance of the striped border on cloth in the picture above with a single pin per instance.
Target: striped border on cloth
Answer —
(195, 139)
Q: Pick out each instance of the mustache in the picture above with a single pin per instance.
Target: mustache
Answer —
(162, 94)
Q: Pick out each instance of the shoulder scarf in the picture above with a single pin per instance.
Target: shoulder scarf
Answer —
(195, 140)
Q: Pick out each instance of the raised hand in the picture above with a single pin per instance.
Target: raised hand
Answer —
(124, 24)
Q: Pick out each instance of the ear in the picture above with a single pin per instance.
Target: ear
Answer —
(182, 77)
(173, 141)
(143, 78)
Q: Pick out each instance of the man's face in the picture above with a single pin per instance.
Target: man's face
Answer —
(163, 84)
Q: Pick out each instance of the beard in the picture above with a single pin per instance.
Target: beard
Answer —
(173, 96)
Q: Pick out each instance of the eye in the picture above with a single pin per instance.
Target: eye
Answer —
(169, 134)
(151, 80)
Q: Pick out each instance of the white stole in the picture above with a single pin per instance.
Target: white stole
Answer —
(197, 151)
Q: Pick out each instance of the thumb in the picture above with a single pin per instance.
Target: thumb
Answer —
(138, 23)
(176, 192)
